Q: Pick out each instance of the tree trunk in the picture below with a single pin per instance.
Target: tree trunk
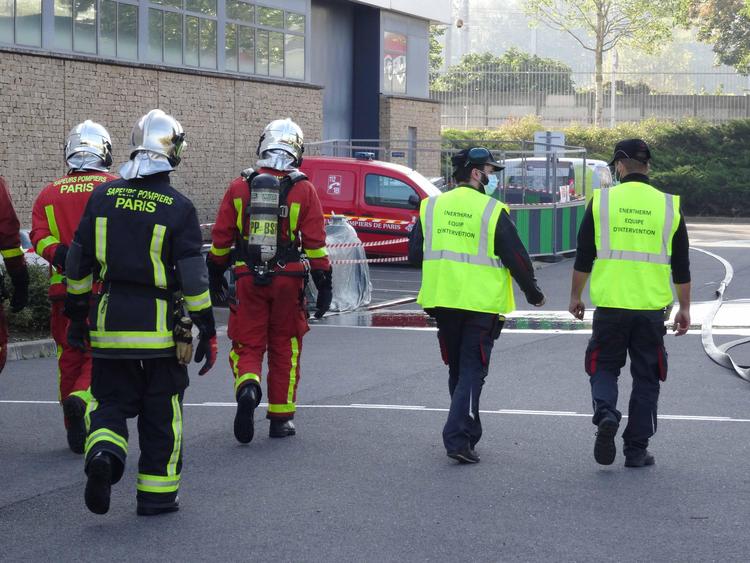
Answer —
(598, 57)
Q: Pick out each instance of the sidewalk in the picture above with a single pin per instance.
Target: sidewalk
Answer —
(32, 349)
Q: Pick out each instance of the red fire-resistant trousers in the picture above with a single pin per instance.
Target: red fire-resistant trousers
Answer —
(270, 317)
(74, 366)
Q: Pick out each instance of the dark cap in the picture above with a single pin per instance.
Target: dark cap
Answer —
(477, 156)
(634, 149)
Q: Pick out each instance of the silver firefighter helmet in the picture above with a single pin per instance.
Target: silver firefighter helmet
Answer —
(158, 141)
(88, 147)
(282, 135)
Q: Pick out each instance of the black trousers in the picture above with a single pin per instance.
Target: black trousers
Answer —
(152, 390)
(617, 333)
(466, 340)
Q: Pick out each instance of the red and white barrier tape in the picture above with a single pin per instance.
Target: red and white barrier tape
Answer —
(372, 260)
(367, 244)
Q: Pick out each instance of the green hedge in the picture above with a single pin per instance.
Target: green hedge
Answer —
(707, 165)
(35, 317)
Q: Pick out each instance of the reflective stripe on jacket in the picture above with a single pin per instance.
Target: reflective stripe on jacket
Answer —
(633, 228)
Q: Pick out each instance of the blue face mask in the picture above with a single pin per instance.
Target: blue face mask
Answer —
(491, 186)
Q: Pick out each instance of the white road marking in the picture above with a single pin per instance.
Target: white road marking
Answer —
(688, 418)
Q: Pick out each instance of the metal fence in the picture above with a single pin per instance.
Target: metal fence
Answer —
(486, 99)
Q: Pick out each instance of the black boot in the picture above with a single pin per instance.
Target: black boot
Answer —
(74, 409)
(99, 484)
(281, 428)
(153, 509)
(604, 445)
(248, 398)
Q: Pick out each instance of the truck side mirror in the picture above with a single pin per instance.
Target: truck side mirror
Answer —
(414, 201)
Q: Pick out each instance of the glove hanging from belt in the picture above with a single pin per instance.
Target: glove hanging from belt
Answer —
(183, 339)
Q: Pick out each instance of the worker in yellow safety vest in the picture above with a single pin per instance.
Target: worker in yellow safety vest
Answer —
(469, 250)
(631, 237)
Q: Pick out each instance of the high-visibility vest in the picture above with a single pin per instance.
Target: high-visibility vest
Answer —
(633, 227)
(460, 269)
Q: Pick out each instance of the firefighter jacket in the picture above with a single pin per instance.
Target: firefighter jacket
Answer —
(55, 217)
(303, 228)
(10, 239)
(142, 240)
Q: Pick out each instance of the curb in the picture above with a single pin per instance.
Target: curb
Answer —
(32, 349)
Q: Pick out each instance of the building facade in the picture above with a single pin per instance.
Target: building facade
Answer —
(223, 68)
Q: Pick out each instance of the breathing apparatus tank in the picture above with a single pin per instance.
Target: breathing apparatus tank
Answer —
(263, 217)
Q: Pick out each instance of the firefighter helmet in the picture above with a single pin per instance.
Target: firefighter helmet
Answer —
(88, 147)
(285, 135)
(158, 133)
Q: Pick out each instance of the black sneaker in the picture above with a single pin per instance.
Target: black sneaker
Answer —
(641, 458)
(465, 456)
(281, 429)
(604, 446)
(155, 509)
(74, 409)
(99, 484)
(244, 425)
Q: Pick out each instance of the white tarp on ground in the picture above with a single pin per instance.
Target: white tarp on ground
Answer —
(351, 282)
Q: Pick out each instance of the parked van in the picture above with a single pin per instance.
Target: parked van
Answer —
(379, 199)
(525, 180)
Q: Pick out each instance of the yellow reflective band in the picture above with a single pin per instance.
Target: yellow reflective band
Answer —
(157, 483)
(106, 435)
(177, 433)
(246, 377)
(293, 219)
(91, 407)
(161, 315)
(280, 409)
(238, 208)
(157, 241)
(293, 371)
(234, 360)
(131, 339)
(45, 243)
(59, 373)
(79, 287)
(11, 252)
(220, 251)
(101, 244)
(49, 210)
(316, 252)
(198, 302)
(101, 313)
(85, 395)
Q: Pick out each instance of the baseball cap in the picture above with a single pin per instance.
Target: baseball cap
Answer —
(475, 155)
(635, 149)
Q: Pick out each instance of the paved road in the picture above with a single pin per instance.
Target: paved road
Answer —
(366, 478)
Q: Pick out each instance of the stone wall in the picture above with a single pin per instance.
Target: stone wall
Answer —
(397, 115)
(43, 97)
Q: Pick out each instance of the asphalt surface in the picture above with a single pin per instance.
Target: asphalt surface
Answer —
(366, 478)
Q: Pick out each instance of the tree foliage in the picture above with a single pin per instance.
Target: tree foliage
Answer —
(726, 25)
(436, 51)
(515, 71)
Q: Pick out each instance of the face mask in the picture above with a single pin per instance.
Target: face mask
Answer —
(491, 185)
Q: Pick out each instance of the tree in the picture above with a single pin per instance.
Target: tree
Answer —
(602, 25)
(726, 25)
(436, 51)
(515, 72)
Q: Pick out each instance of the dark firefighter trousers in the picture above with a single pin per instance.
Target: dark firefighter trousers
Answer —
(152, 390)
(617, 333)
(466, 340)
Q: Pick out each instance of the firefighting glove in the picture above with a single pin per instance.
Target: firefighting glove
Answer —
(218, 286)
(78, 334)
(183, 340)
(20, 279)
(207, 348)
(58, 260)
(324, 284)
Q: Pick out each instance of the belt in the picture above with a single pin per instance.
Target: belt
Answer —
(137, 289)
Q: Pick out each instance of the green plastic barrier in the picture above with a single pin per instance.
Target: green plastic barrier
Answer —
(547, 229)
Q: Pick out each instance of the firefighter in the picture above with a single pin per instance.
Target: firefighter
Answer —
(631, 238)
(275, 222)
(15, 266)
(55, 217)
(469, 250)
(141, 239)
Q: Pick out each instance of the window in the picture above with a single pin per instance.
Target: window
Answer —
(389, 192)
(21, 22)
(255, 40)
(394, 63)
